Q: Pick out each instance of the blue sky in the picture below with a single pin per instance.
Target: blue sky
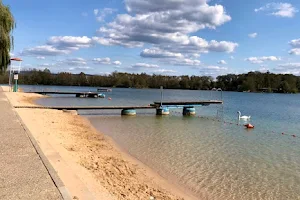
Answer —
(173, 37)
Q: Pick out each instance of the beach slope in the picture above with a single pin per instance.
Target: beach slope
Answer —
(90, 165)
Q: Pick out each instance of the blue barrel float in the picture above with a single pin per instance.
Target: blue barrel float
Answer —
(100, 95)
(128, 112)
(188, 111)
(162, 111)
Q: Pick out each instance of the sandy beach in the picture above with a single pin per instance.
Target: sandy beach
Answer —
(89, 163)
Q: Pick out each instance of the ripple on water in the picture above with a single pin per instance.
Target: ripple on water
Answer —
(211, 160)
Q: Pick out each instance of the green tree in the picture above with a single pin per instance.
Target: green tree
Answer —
(7, 24)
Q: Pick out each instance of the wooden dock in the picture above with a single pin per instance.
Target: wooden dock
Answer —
(186, 103)
(88, 107)
(77, 94)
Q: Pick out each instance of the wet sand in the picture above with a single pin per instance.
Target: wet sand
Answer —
(89, 163)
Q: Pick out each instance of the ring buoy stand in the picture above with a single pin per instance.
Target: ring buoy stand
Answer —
(249, 126)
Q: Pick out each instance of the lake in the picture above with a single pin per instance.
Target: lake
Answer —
(210, 154)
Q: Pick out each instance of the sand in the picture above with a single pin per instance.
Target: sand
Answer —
(89, 163)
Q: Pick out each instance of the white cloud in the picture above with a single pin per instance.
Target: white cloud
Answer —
(212, 70)
(167, 25)
(252, 35)
(73, 62)
(117, 62)
(295, 51)
(59, 45)
(144, 65)
(279, 9)
(187, 62)
(96, 11)
(295, 44)
(106, 61)
(70, 42)
(101, 14)
(47, 65)
(288, 68)
(79, 68)
(223, 62)
(259, 60)
(11, 54)
(45, 50)
(159, 53)
(181, 62)
(40, 57)
(263, 69)
(164, 71)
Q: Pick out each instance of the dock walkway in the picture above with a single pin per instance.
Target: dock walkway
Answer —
(23, 174)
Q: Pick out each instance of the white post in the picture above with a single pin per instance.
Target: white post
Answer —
(9, 82)
(161, 95)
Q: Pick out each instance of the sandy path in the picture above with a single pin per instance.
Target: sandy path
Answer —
(88, 162)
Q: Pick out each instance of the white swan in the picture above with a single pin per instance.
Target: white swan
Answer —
(243, 117)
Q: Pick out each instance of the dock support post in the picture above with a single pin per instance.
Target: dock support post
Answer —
(128, 112)
(162, 111)
(189, 111)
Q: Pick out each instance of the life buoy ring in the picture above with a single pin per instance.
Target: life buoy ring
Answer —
(249, 126)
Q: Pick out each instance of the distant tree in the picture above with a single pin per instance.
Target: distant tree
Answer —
(7, 24)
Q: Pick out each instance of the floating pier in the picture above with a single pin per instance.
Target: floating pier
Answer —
(77, 94)
(162, 108)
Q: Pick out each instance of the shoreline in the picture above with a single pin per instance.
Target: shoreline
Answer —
(87, 159)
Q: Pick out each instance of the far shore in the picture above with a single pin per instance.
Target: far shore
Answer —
(88, 162)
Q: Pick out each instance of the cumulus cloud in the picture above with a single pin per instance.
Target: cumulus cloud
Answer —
(44, 50)
(70, 42)
(159, 53)
(167, 25)
(144, 65)
(60, 65)
(212, 70)
(278, 9)
(73, 62)
(47, 65)
(96, 11)
(186, 62)
(295, 51)
(223, 62)
(164, 71)
(117, 63)
(79, 68)
(295, 44)
(288, 68)
(59, 45)
(106, 61)
(101, 14)
(252, 35)
(259, 60)
(40, 57)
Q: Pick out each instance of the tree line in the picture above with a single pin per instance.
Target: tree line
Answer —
(250, 82)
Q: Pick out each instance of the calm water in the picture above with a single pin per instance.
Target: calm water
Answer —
(213, 159)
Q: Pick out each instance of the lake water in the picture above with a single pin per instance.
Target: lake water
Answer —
(209, 154)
